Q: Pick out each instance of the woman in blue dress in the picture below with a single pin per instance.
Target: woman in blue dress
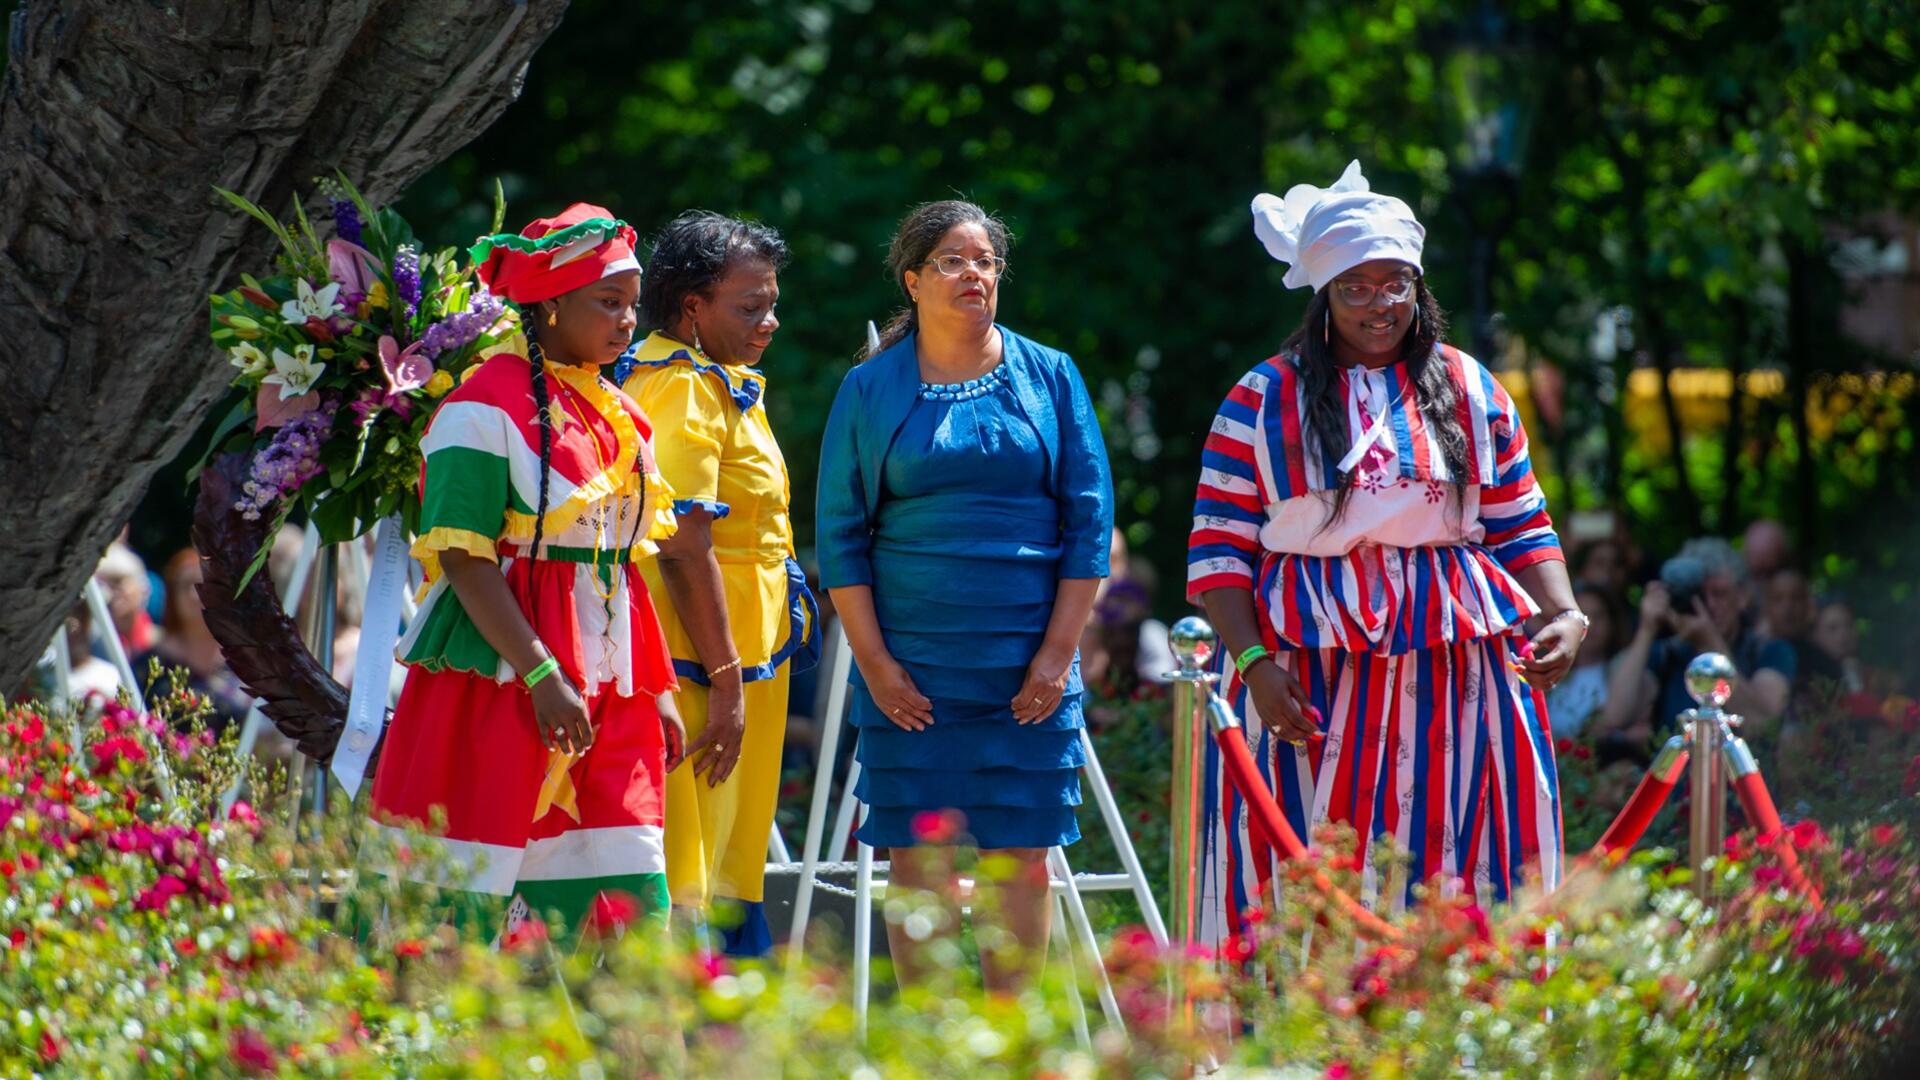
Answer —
(964, 514)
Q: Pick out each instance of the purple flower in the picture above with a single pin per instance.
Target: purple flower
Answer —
(290, 460)
(346, 219)
(406, 278)
(462, 328)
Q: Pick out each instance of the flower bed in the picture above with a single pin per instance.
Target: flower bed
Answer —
(140, 934)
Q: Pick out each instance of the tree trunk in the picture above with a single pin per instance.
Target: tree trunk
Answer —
(116, 122)
(1802, 333)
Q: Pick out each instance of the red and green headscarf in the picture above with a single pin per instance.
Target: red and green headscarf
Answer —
(556, 255)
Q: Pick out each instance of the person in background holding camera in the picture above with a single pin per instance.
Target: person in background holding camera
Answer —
(1697, 606)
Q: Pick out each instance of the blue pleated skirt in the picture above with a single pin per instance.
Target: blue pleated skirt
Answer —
(965, 619)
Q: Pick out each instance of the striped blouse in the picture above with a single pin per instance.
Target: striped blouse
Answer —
(1408, 566)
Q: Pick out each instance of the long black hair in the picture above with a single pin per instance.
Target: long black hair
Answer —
(1434, 390)
(695, 250)
(919, 233)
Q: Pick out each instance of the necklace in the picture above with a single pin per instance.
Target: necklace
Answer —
(603, 528)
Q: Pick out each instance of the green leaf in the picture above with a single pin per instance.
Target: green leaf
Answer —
(242, 410)
(499, 206)
(264, 218)
(266, 546)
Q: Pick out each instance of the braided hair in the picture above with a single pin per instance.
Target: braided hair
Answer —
(536, 358)
(1433, 389)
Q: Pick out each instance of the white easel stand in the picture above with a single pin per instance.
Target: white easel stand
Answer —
(1066, 886)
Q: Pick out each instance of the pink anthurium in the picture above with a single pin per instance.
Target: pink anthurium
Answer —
(405, 370)
(275, 410)
(352, 266)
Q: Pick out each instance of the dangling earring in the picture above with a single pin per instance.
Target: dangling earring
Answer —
(696, 340)
(1416, 320)
(553, 316)
(1326, 329)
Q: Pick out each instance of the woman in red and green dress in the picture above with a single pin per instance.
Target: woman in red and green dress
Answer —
(530, 747)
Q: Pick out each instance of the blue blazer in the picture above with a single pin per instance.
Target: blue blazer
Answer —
(873, 402)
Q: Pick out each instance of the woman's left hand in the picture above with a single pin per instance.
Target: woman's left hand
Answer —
(1045, 685)
(1554, 649)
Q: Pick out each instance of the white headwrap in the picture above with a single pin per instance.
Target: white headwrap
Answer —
(1322, 233)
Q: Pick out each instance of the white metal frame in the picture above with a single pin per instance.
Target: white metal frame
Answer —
(1067, 886)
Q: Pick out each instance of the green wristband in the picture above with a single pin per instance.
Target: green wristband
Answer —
(540, 671)
(1247, 659)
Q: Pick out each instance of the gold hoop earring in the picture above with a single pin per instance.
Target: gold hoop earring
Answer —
(553, 317)
(1326, 329)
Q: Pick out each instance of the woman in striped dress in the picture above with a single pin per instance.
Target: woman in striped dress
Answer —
(1391, 599)
(530, 746)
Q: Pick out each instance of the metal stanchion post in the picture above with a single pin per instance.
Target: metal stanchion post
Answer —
(1193, 642)
(1710, 681)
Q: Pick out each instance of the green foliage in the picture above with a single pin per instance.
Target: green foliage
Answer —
(1655, 158)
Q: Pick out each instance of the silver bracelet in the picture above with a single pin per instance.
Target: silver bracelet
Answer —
(1577, 616)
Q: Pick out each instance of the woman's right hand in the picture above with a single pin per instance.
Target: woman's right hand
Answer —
(893, 690)
(1281, 702)
(560, 714)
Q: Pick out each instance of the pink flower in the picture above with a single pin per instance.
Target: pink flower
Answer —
(938, 826)
(161, 893)
(527, 935)
(243, 813)
(252, 1052)
(1339, 1070)
(353, 266)
(273, 411)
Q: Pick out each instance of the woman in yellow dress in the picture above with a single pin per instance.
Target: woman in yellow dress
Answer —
(738, 617)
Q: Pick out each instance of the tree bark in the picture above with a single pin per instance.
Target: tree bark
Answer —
(116, 122)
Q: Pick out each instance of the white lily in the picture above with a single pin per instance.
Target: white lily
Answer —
(249, 359)
(296, 374)
(307, 304)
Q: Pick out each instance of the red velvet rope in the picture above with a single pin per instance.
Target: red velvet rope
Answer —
(1268, 819)
(1631, 825)
(1757, 801)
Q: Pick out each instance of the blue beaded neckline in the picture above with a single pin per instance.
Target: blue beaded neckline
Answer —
(965, 391)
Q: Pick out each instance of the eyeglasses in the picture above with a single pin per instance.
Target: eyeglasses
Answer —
(1361, 293)
(987, 266)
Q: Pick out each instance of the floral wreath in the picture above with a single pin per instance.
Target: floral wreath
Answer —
(338, 357)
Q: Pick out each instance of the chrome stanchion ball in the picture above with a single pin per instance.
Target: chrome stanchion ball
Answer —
(1710, 679)
(1192, 640)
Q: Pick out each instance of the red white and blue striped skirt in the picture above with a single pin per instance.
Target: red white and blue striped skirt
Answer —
(1443, 753)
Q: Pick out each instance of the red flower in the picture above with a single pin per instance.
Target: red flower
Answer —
(410, 948)
(1806, 835)
(6, 868)
(318, 330)
(938, 826)
(50, 1047)
(29, 860)
(527, 935)
(161, 893)
(1581, 751)
(611, 912)
(1885, 835)
(252, 1051)
(1339, 1070)
(271, 945)
(186, 946)
(259, 299)
(1861, 705)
